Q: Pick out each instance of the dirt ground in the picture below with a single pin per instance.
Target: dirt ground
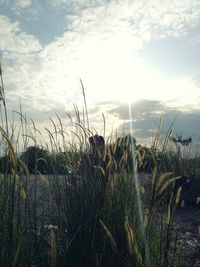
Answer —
(188, 223)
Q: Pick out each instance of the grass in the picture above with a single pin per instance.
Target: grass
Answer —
(75, 218)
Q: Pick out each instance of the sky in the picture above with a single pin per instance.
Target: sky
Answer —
(142, 54)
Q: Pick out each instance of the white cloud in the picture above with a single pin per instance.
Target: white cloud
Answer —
(13, 40)
(23, 8)
(101, 48)
(186, 93)
(21, 59)
(16, 5)
(147, 19)
(23, 3)
(77, 5)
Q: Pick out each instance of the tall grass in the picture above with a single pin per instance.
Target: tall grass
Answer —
(75, 218)
(88, 227)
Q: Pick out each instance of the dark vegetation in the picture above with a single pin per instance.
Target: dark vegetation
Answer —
(38, 158)
(92, 203)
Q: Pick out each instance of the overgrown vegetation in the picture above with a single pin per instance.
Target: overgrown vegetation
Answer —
(59, 209)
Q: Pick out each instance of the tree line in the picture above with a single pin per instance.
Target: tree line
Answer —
(38, 159)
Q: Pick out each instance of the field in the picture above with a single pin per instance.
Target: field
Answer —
(86, 203)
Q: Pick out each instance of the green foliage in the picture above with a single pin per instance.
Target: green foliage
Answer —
(35, 159)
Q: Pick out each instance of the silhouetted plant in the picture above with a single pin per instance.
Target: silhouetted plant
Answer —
(180, 142)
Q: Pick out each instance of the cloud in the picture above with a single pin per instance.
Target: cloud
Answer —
(100, 46)
(21, 7)
(104, 39)
(146, 115)
(147, 19)
(77, 5)
(27, 74)
(174, 57)
(23, 3)
(17, 3)
(138, 108)
(14, 41)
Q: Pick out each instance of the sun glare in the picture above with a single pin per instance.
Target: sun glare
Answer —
(112, 71)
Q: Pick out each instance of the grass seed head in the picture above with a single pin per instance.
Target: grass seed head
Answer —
(178, 194)
(110, 237)
(132, 242)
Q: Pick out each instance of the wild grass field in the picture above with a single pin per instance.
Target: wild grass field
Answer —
(78, 202)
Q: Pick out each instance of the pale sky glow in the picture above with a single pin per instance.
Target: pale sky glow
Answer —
(124, 52)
